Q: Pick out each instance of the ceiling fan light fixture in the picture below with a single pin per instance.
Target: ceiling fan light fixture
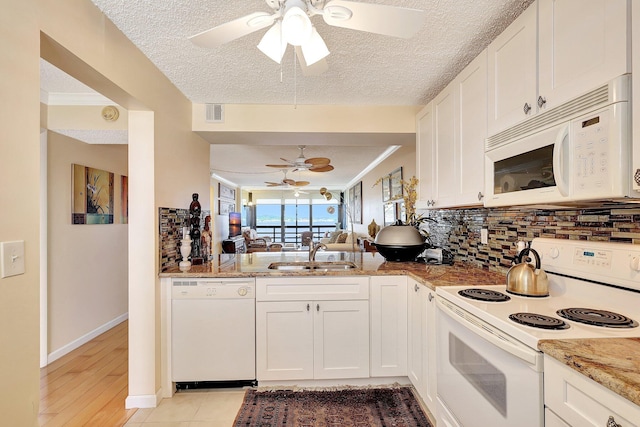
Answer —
(272, 44)
(315, 49)
(296, 25)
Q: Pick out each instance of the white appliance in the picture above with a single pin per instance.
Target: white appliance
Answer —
(213, 330)
(489, 368)
(578, 151)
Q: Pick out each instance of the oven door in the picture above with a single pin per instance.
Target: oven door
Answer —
(486, 378)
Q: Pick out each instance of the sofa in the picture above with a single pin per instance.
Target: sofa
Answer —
(341, 240)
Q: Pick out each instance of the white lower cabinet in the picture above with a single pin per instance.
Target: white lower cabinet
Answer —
(305, 339)
(388, 307)
(422, 336)
(578, 401)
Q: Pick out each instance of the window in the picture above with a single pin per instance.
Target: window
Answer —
(285, 221)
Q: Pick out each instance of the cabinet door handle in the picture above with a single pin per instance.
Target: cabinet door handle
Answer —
(541, 101)
(611, 422)
(308, 307)
(416, 288)
(526, 108)
(430, 297)
(317, 307)
(480, 195)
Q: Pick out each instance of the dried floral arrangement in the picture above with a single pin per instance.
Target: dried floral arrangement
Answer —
(409, 196)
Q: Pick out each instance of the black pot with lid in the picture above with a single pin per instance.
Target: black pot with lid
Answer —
(399, 242)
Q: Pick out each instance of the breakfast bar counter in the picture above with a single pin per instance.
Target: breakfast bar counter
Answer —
(368, 263)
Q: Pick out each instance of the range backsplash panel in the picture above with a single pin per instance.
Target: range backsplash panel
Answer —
(459, 229)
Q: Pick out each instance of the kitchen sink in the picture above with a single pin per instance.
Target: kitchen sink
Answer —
(313, 265)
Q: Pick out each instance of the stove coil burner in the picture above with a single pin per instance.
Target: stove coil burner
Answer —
(538, 321)
(594, 317)
(484, 295)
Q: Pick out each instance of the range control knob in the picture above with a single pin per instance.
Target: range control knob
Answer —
(554, 253)
(635, 263)
(242, 291)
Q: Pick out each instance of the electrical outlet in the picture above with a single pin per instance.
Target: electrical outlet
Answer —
(484, 236)
(11, 258)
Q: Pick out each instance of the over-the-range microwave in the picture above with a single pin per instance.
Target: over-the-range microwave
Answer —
(579, 151)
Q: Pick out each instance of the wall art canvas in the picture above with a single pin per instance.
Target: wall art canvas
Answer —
(354, 203)
(91, 196)
(225, 192)
(396, 184)
(124, 199)
(226, 206)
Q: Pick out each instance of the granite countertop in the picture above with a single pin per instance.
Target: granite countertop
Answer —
(369, 263)
(611, 362)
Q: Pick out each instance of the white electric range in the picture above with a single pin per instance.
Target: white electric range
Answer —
(489, 367)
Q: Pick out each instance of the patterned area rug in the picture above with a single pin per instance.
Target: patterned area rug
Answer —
(383, 407)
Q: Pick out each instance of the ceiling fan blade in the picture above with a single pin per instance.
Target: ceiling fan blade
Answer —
(311, 70)
(232, 30)
(289, 181)
(300, 183)
(317, 161)
(325, 168)
(374, 18)
(273, 184)
(279, 166)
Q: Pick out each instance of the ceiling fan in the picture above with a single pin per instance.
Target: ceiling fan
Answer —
(291, 24)
(286, 182)
(314, 164)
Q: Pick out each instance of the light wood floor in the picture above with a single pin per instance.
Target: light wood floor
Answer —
(88, 386)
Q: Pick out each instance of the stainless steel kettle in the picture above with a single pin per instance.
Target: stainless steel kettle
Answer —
(526, 280)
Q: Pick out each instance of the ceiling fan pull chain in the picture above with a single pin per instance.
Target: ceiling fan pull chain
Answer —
(295, 80)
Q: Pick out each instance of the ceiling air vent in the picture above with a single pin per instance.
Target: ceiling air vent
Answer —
(214, 113)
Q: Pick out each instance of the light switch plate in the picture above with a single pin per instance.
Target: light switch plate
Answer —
(11, 258)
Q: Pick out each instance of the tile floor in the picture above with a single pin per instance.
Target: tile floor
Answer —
(193, 408)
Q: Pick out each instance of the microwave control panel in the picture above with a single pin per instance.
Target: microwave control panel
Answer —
(591, 163)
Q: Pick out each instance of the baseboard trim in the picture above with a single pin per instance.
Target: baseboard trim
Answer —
(55, 355)
(143, 401)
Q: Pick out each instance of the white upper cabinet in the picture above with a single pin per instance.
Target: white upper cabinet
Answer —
(450, 141)
(471, 87)
(512, 72)
(583, 44)
(444, 115)
(425, 157)
(555, 51)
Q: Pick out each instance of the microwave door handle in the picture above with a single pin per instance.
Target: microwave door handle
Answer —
(559, 161)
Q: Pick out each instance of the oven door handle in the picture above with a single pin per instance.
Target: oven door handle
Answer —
(491, 334)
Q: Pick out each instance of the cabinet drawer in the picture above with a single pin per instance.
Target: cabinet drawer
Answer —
(582, 402)
(312, 288)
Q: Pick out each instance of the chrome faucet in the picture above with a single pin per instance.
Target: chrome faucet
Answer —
(313, 248)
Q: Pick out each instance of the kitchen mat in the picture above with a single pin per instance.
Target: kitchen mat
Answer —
(324, 408)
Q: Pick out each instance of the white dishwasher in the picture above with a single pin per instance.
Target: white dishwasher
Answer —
(213, 330)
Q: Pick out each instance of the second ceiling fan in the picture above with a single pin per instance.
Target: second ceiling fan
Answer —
(301, 163)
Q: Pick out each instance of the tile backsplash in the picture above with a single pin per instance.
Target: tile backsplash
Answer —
(171, 221)
(459, 230)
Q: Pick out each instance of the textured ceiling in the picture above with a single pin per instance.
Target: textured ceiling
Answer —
(364, 69)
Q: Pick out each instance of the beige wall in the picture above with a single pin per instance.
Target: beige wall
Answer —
(372, 207)
(80, 41)
(19, 210)
(88, 264)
